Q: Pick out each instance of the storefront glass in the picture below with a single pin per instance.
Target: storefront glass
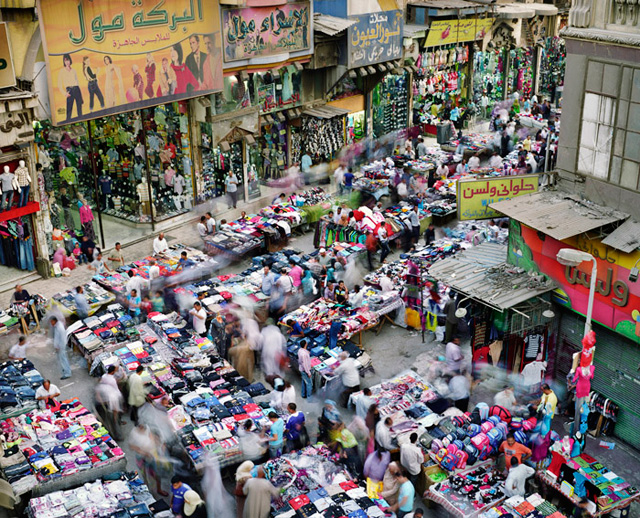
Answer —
(488, 75)
(346, 87)
(521, 72)
(142, 160)
(390, 106)
(236, 95)
(273, 148)
(278, 90)
(355, 127)
(216, 164)
(552, 65)
(441, 82)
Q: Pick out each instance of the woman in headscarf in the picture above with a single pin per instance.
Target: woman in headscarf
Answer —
(243, 473)
(308, 286)
(350, 453)
(243, 358)
(329, 421)
(371, 420)
(194, 506)
(390, 486)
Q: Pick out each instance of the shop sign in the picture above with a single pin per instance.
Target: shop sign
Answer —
(475, 196)
(15, 126)
(7, 73)
(617, 299)
(253, 32)
(445, 32)
(111, 56)
(375, 38)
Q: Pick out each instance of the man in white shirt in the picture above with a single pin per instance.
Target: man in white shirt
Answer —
(337, 215)
(517, 477)
(383, 434)
(495, 161)
(363, 403)
(160, 245)
(461, 168)
(412, 457)
(474, 162)
(453, 353)
(403, 190)
(459, 387)
(505, 398)
(202, 227)
(231, 183)
(199, 318)
(108, 378)
(442, 171)
(211, 223)
(350, 377)
(154, 270)
(46, 395)
(19, 351)
(136, 282)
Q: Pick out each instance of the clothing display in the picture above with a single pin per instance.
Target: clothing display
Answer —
(16, 243)
(18, 383)
(96, 298)
(390, 104)
(53, 443)
(129, 493)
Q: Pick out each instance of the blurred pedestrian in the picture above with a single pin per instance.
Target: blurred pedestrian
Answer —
(59, 336)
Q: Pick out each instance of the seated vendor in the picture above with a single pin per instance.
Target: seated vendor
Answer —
(341, 293)
(296, 329)
(46, 395)
(184, 262)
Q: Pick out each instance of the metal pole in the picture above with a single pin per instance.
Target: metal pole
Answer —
(592, 293)
(546, 155)
(95, 182)
(421, 300)
(146, 157)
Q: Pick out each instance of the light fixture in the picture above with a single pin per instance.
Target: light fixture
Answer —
(572, 257)
(461, 313)
(548, 313)
(633, 273)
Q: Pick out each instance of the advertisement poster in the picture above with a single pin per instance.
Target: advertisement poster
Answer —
(617, 298)
(475, 196)
(375, 38)
(106, 57)
(7, 73)
(444, 32)
(253, 32)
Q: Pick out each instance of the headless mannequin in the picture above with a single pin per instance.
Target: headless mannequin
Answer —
(143, 196)
(86, 218)
(8, 184)
(24, 181)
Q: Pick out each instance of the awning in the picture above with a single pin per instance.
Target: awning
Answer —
(325, 111)
(513, 11)
(330, 25)
(625, 238)
(414, 31)
(559, 215)
(483, 274)
(544, 9)
(451, 7)
(387, 66)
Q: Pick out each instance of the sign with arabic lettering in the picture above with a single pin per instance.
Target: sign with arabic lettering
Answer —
(375, 38)
(15, 126)
(7, 73)
(253, 32)
(110, 56)
(475, 195)
(444, 32)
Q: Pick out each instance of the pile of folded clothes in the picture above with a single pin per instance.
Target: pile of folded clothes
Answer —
(7, 322)
(45, 444)
(18, 383)
(103, 329)
(313, 483)
(125, 497)
(95, 295)
(172, 330)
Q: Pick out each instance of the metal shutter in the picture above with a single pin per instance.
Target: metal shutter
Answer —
(616, 376)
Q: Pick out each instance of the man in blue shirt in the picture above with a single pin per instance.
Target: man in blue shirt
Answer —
(348, 181)
(184, 262)
(295, 422)
(406, 495)
(178, 489)
(82, 306)
(276, 435)
(268, 281)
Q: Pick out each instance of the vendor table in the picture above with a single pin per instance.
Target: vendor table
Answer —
(457, 507)
(549, 481)
(96, 297)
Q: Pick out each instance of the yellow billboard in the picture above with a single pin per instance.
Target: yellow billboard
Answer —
(475, 195)
(110, 56)
(444, 32)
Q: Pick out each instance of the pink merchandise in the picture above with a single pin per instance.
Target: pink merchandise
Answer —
(86, 214)
(588, 348)
(582, 378)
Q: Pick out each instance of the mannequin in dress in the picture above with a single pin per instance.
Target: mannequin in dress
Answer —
(24, 181)
(143, 196)
(8, 184)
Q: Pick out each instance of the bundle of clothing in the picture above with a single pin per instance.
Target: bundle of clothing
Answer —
(18, 383)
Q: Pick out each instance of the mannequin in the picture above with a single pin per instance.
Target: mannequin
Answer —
(143, 196)
(8, 184)
(43, 157)
(178, 184)
(104, 180)
(169, 175)
(86, 218)
(582, 378)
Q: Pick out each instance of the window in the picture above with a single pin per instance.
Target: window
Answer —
(596, 135)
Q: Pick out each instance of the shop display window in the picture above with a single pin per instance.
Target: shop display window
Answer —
(278, 90)
(346, 87)
(236, 95)
(390, 104)
(355, 127)
(216, 164)
(143, 165)
(521, 72)
(273, 149)
(322, 139)
(552, 65)
(488, 70)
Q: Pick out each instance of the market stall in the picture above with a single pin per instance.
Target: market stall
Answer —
(532, 505)
(18, 383)
(96, 297)
(128, 494)
(57, 448)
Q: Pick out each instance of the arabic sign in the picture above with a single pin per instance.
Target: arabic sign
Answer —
(15, 126)
(616, 303)
(7, 73)
(475, 195)
(113, 56)
(375, 38)
(253, 32)
(443, 32)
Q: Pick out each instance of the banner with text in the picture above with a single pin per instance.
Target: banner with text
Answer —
(375, 38)
(7, 73)
(114, 56)
(475, 195)
(444, 32)
(254, 32)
